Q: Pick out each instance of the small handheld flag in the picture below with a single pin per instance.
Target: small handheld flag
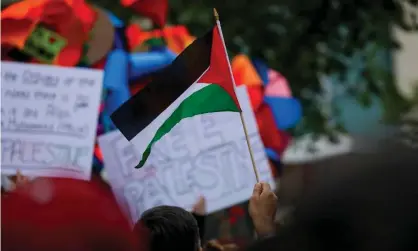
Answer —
(198, 81)
(247, 138)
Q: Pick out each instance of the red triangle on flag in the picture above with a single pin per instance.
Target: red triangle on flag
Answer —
(219, 72)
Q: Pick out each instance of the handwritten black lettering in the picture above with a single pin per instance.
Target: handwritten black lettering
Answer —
(86, 82)
(56, 112)
(79, 154)
(30, 77)
(30, 113)
(219, 171)
(9, 76)
(133, 193)
(33, 78)
(221, 156)
(82, 101)
(17, 94)
(11, 151)
(159, 157)
(67, 127)
(39, 126)
(3, 117)
(125, 153)
(29, 122)
(37, 154)
(21, 152)
(51, 81)
(7, 117)
(207, 180)
(144, 194)
(68, 81)
(13, 124)
(204, 176)
(61, 152)
(211, 131)
(12, 111)
(179, 179)
(175, 144)
(42, 95)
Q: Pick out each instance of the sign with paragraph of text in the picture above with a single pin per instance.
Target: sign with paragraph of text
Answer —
(48, 119)
(204, 155)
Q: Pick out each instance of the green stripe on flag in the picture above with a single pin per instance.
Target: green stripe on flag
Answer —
(212, 98)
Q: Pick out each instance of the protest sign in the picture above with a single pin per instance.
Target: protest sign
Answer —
(48, 119)
(204, 155)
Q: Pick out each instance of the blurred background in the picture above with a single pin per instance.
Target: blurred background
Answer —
(351, 64)
(347, 72)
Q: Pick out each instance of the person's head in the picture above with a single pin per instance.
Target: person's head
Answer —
(360, 202)
(51, 214)
(169, 228)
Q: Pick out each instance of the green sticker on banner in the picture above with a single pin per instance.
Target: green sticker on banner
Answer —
(44, 45)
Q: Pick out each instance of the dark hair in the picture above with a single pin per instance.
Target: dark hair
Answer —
(170, 228)
(361, 202)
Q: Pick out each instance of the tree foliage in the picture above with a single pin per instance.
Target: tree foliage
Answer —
(306, 39)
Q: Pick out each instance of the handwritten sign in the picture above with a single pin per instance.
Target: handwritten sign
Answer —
(205, 155)
(48, 119)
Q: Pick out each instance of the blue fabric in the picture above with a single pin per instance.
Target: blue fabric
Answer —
(107, 122)
(271, 154)
(286, 111)
(116, 80)
(262, 70)
(143, 63)
(115, 20)
(120, 41)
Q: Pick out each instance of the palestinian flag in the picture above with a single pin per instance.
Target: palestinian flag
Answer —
(198, 81)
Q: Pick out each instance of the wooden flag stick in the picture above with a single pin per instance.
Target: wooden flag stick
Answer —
(247, 138)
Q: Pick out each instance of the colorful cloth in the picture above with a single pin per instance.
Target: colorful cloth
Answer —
(71, 19)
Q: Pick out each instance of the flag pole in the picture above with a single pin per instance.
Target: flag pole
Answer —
(247, 138)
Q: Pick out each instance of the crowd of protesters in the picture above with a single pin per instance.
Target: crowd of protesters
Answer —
(373, 206)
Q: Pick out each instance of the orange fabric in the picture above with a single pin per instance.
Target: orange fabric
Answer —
(98, 153)
(218, 72)
(244, 71)
(176, 37)
(71, 19)
(156, 10)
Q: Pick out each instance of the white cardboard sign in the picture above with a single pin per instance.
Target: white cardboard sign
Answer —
(205, 155)
(48, 119)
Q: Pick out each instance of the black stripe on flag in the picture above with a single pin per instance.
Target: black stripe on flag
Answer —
(165, 86)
